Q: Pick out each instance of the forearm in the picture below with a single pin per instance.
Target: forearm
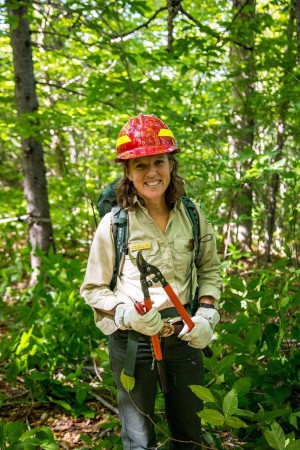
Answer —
(111, 312)
(207, 299)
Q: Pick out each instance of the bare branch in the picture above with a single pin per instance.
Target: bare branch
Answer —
(104, 403)
(143, 25)
(61, 86)
(239, 11)
(206, 29)
(72, 91)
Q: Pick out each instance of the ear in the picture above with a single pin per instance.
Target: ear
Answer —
(127, 172)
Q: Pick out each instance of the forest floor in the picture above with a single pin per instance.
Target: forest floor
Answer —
(18, 407)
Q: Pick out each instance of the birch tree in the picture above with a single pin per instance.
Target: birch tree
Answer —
(35, 184)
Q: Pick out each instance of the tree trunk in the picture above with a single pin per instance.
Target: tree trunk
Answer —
(242, 136)
(35, 184)
(274, 183)
(297, 15)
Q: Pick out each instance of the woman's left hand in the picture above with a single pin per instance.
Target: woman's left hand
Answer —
(201, 335)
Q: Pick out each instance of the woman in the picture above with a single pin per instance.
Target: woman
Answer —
(158, 226)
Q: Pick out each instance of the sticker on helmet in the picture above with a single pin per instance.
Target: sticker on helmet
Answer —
(123, 140)
(166, 132)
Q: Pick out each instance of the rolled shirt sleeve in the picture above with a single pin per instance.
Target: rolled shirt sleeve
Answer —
(208, 272)
(95, 288)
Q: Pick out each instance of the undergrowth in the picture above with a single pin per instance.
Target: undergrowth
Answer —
(51, 341)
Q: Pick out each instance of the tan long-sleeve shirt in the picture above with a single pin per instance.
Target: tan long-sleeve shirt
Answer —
(172, 252)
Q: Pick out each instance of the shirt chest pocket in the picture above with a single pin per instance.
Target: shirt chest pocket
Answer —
(150, 251)
(183, 255)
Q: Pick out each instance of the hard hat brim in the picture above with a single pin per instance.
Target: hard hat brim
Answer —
(140, 152)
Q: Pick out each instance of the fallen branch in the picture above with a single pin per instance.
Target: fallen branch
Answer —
(105, 403)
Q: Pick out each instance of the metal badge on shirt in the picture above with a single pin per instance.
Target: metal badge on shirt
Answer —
(139, 246)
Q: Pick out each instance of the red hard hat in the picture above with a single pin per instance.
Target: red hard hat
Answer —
(144, 135)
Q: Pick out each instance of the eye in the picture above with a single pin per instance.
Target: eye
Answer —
(160, 161)
(140, 166)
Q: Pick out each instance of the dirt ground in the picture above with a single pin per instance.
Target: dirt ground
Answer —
(18, 407)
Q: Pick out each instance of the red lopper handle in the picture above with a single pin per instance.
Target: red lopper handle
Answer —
(155, 339)
(185, 315)
(179, 306)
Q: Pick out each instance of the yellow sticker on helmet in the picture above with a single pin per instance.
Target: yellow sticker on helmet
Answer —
(165, 132)
(123, 140)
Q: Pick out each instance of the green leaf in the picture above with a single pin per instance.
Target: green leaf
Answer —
(203, 393)
(253, 335)
(31, 443)
(44, 433)
(230, 403)
(212, 416)
(49, 445)
(293, 420)
(244, 413)
(14, 369)
(276, 166)
(13, 431)
(24, 341)
(1, 433)
(237, 284)
(226, 362)
(64, 405)
(85, 438)
(275, 437)
(270, 335)
(82, 392)
(235, 422)
(270, 416)
(293, 445)
(242, 386)
(127, 381)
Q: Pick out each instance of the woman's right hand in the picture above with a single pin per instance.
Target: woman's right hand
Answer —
(126, 317)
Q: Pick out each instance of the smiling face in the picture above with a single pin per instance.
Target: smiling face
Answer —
(150, 176)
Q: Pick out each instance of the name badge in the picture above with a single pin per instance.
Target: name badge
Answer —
(140, 246)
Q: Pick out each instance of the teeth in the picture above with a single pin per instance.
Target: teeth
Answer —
(153, 183)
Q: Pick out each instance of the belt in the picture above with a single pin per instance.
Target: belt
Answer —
(171, 328)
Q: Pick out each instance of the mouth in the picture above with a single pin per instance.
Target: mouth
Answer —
(153, 183)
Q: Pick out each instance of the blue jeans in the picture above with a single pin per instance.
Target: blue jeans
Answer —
(184, 367)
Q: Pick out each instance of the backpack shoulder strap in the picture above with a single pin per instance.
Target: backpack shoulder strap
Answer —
(193, 215)
(120, 234)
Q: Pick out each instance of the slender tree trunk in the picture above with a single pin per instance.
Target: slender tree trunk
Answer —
(297, 15)
(35, 184)
(173, 8)
(242, 136)
(274, 183)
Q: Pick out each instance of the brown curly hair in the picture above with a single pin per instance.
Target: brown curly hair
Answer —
(126, 191)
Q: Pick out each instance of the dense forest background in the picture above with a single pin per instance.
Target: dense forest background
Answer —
(225, 77)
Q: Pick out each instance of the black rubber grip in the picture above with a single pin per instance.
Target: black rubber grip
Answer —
(208, 352)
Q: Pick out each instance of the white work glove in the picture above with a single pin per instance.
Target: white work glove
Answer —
(126, 317)
(200, 336)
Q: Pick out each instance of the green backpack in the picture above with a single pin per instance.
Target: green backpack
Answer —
(107, 202)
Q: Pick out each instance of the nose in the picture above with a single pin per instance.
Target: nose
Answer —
(152, 170)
